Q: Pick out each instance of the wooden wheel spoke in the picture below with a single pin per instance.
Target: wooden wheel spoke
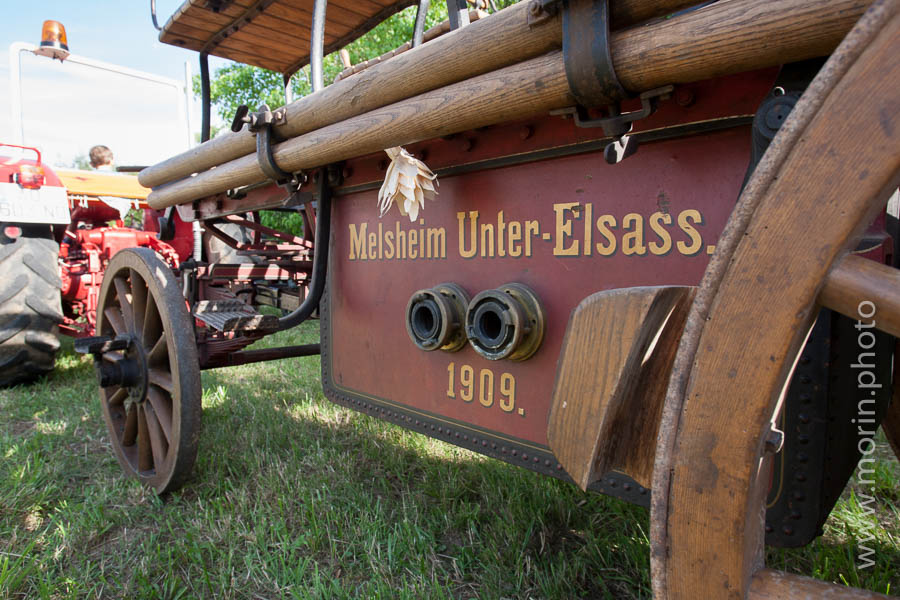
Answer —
(152, 327)
(118, 397)
(159, 353)
(158, 445)
(161, 378)
(162, 407)
(139, 300)
(131, 428)
(145, 450)
(114, 316)
(123, 292)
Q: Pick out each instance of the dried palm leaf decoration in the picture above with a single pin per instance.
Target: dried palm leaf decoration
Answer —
(408, 183)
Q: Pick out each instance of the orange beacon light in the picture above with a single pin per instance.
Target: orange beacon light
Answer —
(53, 41)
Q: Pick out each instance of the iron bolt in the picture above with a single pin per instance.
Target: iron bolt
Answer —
(774, 441)
(684, 96)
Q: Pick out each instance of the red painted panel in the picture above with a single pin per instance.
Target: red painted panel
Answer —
(664, 207)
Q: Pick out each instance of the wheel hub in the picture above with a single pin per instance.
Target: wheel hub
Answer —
(119, 361)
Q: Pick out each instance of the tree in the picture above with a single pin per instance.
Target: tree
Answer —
(81, 161)
(237, 84)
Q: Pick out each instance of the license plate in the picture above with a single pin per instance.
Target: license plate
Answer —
(45, 205)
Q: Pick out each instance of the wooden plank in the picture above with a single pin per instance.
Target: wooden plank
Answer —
(519, 91)
(286, 44)
(365, 8)
(335, 14)
(792, 223)
(775, 585)
(194, 21)
(287, 12)
(186, 37)
(611, 380)
(263, 58)
(855, 280)
(192, 9)
(256, 54)
(98, 183)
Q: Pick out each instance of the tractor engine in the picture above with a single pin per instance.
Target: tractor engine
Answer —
(83, 257)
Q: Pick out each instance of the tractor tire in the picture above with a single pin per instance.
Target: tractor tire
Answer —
(30, 308)
(217, 251)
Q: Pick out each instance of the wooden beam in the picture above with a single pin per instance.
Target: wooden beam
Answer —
(539, 85)
(435, 64)
(855, 281)
(851, 283)
(611, 381)
(775, 585)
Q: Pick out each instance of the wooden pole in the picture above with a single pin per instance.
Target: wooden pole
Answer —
(726, 37)
(484, 46)
(856, 280)
(775, 585)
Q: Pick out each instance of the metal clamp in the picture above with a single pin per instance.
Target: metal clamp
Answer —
(618, 124)
(261, 123)
(591, 76)
(589, 67)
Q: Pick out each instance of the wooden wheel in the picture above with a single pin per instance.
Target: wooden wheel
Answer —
(783, 254)
(153, 417)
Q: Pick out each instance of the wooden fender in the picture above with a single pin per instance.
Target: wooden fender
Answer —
(828, 171)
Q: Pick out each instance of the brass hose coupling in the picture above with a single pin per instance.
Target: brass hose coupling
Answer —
(507, 322)
(435, 318)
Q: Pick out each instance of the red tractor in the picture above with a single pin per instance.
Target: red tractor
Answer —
(58, 231)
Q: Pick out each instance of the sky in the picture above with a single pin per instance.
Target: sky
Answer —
(67, 107)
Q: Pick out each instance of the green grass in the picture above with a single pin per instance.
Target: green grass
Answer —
(295, 497)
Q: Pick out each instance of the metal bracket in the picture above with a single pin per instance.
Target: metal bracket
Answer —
(167, 225)
(217, 6)
(617, 124)
(590, 73)
(98, 345)
(261, 124)
(458, 14)
(540, 11)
